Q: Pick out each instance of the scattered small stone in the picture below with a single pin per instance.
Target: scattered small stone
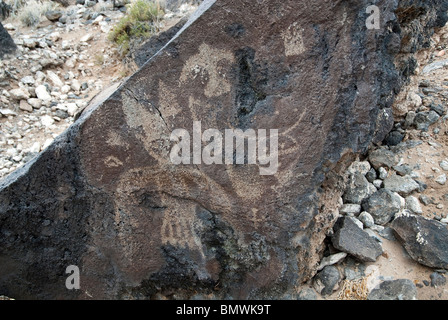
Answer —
(444, 165)
(441, 179)
(30, 43)
(65, 45)
(440, 109)
(7, 113)
(413, 205)
(28, 80)
(425, 200)
(437, 279)
(53, 15)
(54, 78)
(75, 85)
(47, 120)
(371, 175)
(61, 114)
(423, 120)
(382, 173)
(403, 170)
(351, 272)
(394, 138)
(42, 93)
(72, 108)
(367, 219)
(307, 294)
(89, 3)
(331, 260)
(23, 105)
(377, 228)
(9, 27)
(409, 121)
(326, 281)
(86, 38)
(35, 103)
(378, 183)
(19, 94)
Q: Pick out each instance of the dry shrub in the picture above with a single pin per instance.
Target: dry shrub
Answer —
(354, 289)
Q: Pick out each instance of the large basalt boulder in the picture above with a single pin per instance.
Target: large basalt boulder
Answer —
(424, 239)
(7, 45)
(106, 197)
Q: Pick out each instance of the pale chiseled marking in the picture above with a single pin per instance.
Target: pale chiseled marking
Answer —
(210, 65)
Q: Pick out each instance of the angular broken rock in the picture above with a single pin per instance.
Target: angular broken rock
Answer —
(401, 185)
(326, 281)
(413, 205)
(434, 66)
(425, 240)
(42, 93)
(401, 289)
(358, 188)
(23, 105)
(423, 120)
(382, 206)
(106, 197)
(383, 157)
(53, 15)
(19, 94)
(350, 238)
(54, 78)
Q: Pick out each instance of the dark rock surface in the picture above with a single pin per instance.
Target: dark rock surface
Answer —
(425, 240)
(358, 188)
(326, 281)
(106, 197)
(383, 157)
(7, 45)
(149, 48)
(382, 206)
(350, 238)
(403, 185)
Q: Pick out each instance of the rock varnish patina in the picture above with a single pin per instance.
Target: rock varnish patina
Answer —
(105, 196)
